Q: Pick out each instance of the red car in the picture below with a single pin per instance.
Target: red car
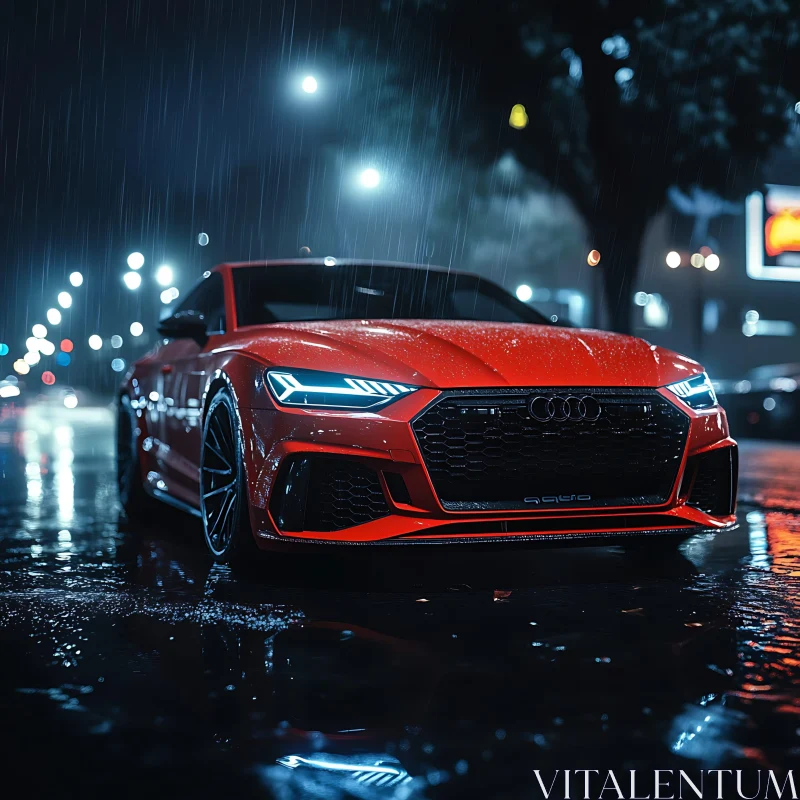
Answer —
(352, 402)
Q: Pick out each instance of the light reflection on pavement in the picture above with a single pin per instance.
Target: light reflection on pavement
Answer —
(131, 663)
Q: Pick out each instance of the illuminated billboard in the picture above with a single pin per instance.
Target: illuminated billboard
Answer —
(773, 234)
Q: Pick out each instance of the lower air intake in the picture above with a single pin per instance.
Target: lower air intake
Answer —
(315, 493)
(715, 483)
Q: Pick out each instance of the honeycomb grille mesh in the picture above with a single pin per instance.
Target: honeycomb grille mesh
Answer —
(486, 451)
(342, 494)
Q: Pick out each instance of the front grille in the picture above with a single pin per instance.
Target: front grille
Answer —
(324, 493)
(484, 450)
(715, 483)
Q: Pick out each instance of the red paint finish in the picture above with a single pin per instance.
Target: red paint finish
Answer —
(172, 385)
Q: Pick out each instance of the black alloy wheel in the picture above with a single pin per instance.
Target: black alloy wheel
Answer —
(223, 498)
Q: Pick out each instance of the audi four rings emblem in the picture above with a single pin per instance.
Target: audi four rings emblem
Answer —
(561, 409)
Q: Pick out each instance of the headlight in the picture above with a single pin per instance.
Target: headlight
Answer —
(309, 388)
(696, 392)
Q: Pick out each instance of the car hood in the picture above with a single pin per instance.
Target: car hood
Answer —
(453, 354)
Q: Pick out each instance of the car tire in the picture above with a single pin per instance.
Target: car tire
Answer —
(224, 503)
(135, 501)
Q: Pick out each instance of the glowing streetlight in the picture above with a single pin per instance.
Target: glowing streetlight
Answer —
(137, 329)
(135, 260)
(133, 280)
(370, 178)
(309, 84)
(75, 278)
(673, 259)
(64, 299)
(524, 292)
(53, 316)
(95, 342)
(164, 275)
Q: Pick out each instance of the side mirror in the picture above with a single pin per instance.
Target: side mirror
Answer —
(185, 325)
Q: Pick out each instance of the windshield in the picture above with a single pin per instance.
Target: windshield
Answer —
(303, 292)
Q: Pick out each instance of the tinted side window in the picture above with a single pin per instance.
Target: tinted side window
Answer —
(208, 298)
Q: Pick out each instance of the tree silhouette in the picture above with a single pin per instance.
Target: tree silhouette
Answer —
(625, 99)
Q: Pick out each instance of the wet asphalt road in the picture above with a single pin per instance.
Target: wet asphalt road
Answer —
(131, 665)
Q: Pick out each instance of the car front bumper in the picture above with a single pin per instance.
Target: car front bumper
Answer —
(385, 444)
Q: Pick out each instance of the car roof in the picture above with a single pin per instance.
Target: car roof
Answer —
(320, 262)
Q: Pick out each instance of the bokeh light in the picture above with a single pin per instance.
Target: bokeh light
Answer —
(75, 278)
(202, 239)
(712, 262)
(70, 400)
(116, 341)
(133, 280)
(137, 329)
(21, 366)
(46, 348)
(31, 358)
(519, 117)
(135, 260)
(39, 331)
(64, 299)
(168, 295)
(48, 378)
(524, 292)
(63, 359)
(164, 275)
(309, 84)
(593, 259)
(697, 260)
(8, 390)
(95, 342)
(32, 343)
(673, 259)
(53, 316)
(118, 365)
(3, 349)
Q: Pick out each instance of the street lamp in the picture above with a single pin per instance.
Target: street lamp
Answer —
(370, 178)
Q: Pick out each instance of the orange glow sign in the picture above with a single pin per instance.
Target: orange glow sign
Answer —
(773, 233)
(782, 232)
